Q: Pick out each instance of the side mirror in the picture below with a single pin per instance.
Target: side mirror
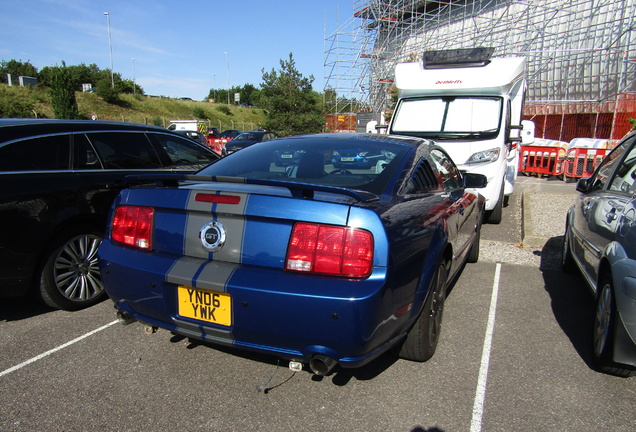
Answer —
(527, 132)
(382, 129)
(472, 180)
(583, 185)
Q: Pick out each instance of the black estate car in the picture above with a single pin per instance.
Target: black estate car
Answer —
(58, 179)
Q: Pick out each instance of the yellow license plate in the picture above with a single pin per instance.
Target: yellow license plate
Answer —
(209, 306)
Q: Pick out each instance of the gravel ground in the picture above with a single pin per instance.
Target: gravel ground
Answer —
(542, 214)
(545, 212)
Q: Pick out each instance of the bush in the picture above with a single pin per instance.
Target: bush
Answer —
(15, 105)
(105, 90)
(224, 109)
(200, 113)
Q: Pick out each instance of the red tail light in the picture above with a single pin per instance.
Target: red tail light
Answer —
(132, 225)
(331, 250)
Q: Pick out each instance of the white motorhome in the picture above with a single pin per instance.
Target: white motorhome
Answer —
(471, 105)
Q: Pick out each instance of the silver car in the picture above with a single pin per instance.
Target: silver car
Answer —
(600, 239)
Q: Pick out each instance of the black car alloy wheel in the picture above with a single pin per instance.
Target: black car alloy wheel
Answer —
(70, 279)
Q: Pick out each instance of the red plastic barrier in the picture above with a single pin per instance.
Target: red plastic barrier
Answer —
(581, 162)
(541, 159)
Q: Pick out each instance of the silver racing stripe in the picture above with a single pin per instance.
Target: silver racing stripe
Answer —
(202, 274)
(202, 269)
(183, 271)
(211, 334)
(231, 216)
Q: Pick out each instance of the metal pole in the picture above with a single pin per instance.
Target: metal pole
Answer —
(110, 46)
(227, 58)
(134, 84)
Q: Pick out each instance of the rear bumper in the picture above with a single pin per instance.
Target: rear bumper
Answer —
(624, 346)
(625, 295)
(288, 315)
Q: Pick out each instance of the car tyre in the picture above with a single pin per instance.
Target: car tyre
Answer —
(421, 341)
(603, 332)
(567, 260)
(473, 254)
(69, 277)
(495, 215)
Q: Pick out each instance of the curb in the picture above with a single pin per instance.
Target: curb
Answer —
(543, 215)
(527, 238)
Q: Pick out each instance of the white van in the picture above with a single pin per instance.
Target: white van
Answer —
(192, 125)
(471, 105)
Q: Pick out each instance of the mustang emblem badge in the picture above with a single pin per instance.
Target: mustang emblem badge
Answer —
(212, 236)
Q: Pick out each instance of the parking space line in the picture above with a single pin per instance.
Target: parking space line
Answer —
(480, 394)
(51, 351)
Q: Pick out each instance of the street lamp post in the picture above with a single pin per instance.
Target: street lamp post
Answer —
(227, 58)
(214, 88)
(134, 84)
(110, 46)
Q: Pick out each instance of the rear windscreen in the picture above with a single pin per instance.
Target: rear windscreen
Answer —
(350, 163)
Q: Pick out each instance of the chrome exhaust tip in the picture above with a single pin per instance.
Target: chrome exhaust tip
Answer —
(124, 318)
(321, 365)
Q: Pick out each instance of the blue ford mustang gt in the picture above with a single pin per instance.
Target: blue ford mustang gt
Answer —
(314, 264)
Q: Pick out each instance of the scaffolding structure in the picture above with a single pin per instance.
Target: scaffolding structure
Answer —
(581, 66)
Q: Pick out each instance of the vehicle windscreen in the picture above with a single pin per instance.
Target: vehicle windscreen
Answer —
(245, 136)
(349, 163)
(449, 117)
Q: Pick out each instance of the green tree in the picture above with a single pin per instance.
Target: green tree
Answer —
(92, 74)
(79, 74)
(290, 102)
(105, 90)
(249, 94)
(63, 99)
(221, 95)
(16, 69)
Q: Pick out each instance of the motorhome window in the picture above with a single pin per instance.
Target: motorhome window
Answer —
(448, 115)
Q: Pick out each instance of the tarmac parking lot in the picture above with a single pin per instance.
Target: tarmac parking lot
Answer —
(514, 355)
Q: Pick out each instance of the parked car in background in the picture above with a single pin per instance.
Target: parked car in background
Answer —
(307, 262)
(193, 135)
(58, 179)
(354, 158)
(215, 142)
(600, 240)
(230, 134)
(246, 139)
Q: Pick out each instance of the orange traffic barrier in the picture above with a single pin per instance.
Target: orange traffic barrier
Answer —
(543, 157)
(584, 155)
(581, 162)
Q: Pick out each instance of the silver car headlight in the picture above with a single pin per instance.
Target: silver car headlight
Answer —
(484, 156)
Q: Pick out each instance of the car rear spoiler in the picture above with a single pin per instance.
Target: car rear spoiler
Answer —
(298, 190)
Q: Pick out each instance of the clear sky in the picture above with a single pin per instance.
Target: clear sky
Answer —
(178, 46)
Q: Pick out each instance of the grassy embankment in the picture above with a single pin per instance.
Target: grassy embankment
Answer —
(141, 109)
